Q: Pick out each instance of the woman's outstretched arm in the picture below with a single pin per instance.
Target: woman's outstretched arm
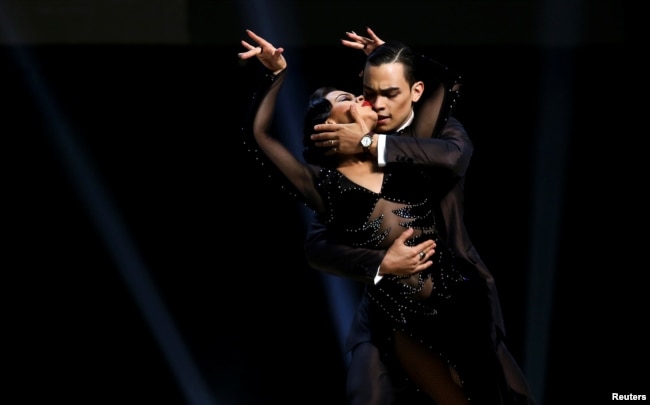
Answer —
(258, 124)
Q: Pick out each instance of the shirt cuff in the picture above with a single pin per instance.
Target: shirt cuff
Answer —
(378, 277)
(381, 149)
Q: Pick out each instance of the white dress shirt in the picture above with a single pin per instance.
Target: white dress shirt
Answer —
(381, 160)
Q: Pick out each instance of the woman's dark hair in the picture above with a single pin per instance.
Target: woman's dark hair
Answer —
(318, 110)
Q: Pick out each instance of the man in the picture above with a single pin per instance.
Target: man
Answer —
(389, 83)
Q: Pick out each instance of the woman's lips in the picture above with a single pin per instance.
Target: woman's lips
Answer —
(366, 103)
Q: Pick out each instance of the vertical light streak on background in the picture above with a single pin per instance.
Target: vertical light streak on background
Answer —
(275, 22)
(559, 25)
(110, 227)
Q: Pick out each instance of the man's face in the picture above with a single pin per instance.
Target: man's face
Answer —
(390, 94)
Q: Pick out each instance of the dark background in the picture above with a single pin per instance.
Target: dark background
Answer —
(149, 260)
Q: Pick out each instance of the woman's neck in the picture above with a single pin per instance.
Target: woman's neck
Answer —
(358, 160)
(364, 171)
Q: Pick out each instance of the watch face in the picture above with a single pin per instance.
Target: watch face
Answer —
(366, 141)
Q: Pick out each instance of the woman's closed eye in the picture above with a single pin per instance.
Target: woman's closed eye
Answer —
(344, 97)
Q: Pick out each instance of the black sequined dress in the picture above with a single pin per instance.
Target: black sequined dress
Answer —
(444, 307)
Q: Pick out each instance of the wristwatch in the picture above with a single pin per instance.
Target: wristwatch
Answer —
(366, 140)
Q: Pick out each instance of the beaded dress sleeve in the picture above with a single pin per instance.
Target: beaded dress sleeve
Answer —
(293, 175)
(441, 93)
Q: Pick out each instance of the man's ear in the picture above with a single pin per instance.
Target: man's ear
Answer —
(417, 90)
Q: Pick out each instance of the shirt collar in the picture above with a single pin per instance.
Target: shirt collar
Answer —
(408, 121)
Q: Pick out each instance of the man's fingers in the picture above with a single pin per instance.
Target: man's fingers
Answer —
(404, 236)
(425, 250)
(323, 135)
(426, 247)
(427, 244)
(324, 139)
(423, 266)
(326, 127)
(358, 118)
(355, 113)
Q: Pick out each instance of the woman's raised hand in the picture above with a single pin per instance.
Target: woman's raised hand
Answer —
(366, 44)
(270, 56)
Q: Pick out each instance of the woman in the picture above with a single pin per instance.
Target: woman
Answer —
(434, 324)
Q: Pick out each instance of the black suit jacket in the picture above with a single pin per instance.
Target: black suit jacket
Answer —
(452, 150)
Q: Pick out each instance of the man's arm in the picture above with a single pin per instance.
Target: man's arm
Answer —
(355, 263)
(447, 144)
(451, 150)
(365, 265)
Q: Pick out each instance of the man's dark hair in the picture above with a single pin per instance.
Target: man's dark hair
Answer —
(395, 52)
(432, 72)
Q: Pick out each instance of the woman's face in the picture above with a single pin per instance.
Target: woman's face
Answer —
(341, 103)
